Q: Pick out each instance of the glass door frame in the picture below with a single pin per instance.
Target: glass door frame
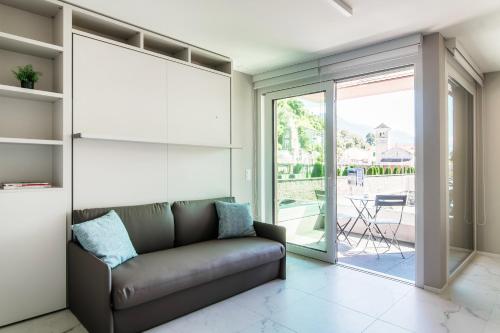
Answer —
(454, 72)
(417, 279)
(328, 87)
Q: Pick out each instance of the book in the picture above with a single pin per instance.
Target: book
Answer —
(25, 185)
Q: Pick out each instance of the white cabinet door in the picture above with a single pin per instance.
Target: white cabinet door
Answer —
(33, 253)
(198, 106)
(198, 173)
(110, 174)
(118, 92)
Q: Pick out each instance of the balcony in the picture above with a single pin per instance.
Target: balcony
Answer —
(300, 212)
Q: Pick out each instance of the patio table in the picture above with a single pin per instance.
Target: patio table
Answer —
(360, 203)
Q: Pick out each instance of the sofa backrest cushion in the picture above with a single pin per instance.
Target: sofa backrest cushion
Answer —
(196, 220)
(150, 227)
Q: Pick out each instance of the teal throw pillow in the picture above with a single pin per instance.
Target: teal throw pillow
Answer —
(106, 238)
(235, 220)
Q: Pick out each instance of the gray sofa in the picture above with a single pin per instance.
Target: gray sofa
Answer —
(181, 266)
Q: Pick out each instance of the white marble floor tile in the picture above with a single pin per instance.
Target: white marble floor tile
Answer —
(269, 298)
(222, 317)
(422, 311)
(297, 261)
(267, 326)
(309, 281)
(493, 324)
(58, 322)
(476, 298)
(313, 314)
(484, 271)
(380, 326)
(365, 293)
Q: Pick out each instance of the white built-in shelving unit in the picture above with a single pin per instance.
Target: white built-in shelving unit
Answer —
(33, 123)
(47, 134)
(30, 34)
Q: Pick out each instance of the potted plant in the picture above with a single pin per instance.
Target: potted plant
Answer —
(27, 76)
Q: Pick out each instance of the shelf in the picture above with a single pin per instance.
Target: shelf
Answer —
(29, 46)
(166, 46)
(211, 60)
(44, 8)
(142, 140)
(24, 190)
(194, 144)
(31, 94)
(31, 141)
(115, 138)
(105, 27)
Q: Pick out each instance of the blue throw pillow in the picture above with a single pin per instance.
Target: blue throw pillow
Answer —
(235, 220)
(106, 238)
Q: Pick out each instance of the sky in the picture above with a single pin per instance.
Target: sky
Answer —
(395, 109)
(362, 114)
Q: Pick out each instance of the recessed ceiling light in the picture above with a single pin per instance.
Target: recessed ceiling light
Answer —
(343, 7)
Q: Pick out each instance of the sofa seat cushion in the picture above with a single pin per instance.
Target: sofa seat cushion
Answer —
(157, 274)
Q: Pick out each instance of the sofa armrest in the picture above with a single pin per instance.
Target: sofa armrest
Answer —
(89, 288)
(270, 231)
(275, 233)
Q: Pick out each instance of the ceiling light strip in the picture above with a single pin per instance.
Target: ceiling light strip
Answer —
(343, 7)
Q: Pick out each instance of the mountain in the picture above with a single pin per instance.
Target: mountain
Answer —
(397, 136)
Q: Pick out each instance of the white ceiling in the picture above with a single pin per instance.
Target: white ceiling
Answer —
(260, 35)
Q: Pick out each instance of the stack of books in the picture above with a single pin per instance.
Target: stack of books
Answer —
(23, 185)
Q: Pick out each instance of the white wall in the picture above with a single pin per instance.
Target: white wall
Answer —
(242, 118)
(434, 199)
(488, 234)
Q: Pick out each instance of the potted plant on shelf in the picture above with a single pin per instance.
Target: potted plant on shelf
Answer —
(27, 76)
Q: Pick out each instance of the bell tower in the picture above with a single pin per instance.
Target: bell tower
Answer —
(381, 140)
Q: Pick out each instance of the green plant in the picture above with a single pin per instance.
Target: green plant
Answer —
(297, 168)
(27, 74)
(387, 171)
(344, 173)
(371, 171)
(318, 170)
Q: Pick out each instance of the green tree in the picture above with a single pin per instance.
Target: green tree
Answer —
(293, 116)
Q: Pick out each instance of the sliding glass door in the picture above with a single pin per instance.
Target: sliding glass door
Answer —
(461, 231)
(303, 178)
(376, 198)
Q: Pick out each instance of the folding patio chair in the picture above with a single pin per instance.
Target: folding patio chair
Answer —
(320, 198)
(382, 202)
